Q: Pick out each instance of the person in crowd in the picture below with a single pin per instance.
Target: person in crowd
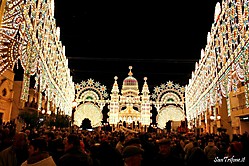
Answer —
(149, 148)
(28, 132)
(6, 138)
(177, 148)
(109, 155)
(245, 143)
(17, 153)
(235, 155)
(165, 156)
(73, 153)
(53, 145)
(188, 147)
(38, 154)
(120, 144)
(133, 141)
(197, 156)
(235, 150)
(83, 147)
(211, 151)
(132, 155)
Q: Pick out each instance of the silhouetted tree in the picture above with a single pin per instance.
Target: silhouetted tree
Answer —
(60, 121)
(168, 126)
(86, 124)
(29, 118)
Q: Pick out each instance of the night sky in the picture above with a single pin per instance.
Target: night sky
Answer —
(161, 40)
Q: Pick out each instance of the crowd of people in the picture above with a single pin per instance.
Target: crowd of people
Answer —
(60, 147)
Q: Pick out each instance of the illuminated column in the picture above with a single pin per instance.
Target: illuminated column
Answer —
(206, 122)
(218, 121)
(101, 104)
(212, 123)
(145, 113)
(114, 104)
(145, 104)
(113, 113)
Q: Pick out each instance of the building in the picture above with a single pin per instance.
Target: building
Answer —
(6, 95)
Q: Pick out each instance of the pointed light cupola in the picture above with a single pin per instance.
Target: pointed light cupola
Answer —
(145, 90)
(115, 89)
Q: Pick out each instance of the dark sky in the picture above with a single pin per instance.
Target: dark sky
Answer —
(162, 40)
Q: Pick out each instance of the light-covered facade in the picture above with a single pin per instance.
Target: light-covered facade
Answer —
(217, 96)
(29, 35)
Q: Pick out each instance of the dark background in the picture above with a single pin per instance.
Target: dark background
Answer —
(162, 40)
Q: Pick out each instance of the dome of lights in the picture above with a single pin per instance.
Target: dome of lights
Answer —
(130, 83)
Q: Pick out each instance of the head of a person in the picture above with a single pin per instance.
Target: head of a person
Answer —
(128, 136)
(132, 155)
(50, 135)
(164, 146)
(122, 138)
(72, 141)
(196, 144)
(20, 141)
(235, 148)
(144, 137)
(211, 142)
(6, 131)
(37, 145)
(134, 141)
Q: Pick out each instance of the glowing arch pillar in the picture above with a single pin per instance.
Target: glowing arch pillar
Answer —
(113, 113)
(101, 104)
(145, 114)
(158, 105)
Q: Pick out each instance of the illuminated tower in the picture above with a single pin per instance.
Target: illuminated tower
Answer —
(114, 103)
(145, 104)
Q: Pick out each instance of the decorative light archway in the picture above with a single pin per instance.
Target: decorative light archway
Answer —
(170, 112)
(169, 102)
(91, 98)
(88, 110)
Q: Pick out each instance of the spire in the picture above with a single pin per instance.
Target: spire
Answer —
(130, 73)
(115, 86)
(145, 89)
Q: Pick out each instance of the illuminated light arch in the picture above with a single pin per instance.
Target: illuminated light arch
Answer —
(89, 95)
(167, 113)
(170, 97)
(91, 111)
(169, 103)
(91, 98)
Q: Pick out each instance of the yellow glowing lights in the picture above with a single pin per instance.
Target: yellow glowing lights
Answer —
(28, 33)
(226, 46)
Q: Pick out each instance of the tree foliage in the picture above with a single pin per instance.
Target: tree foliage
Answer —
(32, 119)
(29, 118)
(61, 121)
(168, 125)
(86, 124)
